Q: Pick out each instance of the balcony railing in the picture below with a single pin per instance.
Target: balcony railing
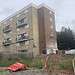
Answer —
(6, 43)
(21, 39)
(6, 29)
(21, 25)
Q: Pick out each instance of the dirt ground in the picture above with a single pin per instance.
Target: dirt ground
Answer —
(27, 72)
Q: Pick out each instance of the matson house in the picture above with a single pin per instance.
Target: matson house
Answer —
(30, 30)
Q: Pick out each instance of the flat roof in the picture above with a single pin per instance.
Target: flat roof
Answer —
(26, 7)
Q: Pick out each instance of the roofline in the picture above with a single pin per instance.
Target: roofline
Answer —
(26, 7)
(19, 11)
(46, 6)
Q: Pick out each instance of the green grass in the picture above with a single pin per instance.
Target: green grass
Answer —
(66, 62)
(4, 72)
(32, 62)
(65, 66)
(37, 62)
(5, 62)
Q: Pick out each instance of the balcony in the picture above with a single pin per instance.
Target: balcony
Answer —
(22, 22)
(7, 29)
(21, 25)
(22, 38)
(6, 42)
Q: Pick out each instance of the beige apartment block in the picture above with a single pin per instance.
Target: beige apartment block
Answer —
(30, 30)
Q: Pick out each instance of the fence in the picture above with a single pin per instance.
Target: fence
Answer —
(73, 62)
(61, 72)
(59, 64)
(66, 73)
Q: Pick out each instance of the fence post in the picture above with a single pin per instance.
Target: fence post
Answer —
(73, 62)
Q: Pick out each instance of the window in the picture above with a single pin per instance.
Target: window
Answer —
(22, 37)
(7, 41)
(7, 29)
(7, 35)
(22, 22)
(25, 11)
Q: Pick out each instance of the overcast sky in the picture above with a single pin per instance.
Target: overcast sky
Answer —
(64, 10)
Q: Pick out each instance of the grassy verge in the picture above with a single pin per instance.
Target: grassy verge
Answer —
(4, 72)
(32, 62)
(66, 62)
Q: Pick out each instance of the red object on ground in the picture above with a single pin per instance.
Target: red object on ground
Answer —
(17, 66)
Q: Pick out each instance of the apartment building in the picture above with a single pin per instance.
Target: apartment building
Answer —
(30, 30)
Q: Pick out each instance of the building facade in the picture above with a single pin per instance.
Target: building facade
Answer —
(30, 30)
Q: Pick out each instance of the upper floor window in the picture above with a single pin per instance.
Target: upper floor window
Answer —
(25, 11)
(22, 37)
(7, 41)
(7, 29)
(22, 22)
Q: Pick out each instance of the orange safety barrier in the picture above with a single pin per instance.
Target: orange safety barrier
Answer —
(17, 66)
